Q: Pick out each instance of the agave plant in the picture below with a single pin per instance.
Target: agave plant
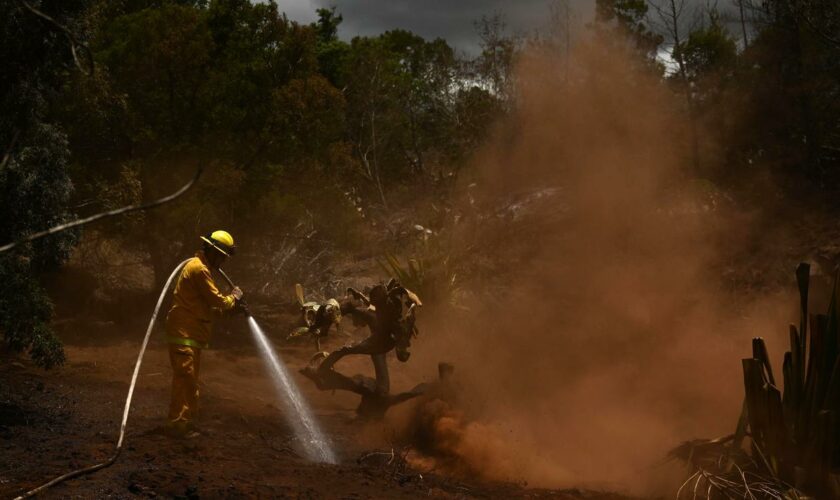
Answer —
(433, 278)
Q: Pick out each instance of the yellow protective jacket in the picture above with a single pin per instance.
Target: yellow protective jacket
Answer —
(197, 301)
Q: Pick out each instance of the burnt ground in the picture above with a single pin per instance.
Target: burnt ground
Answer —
(55, 421)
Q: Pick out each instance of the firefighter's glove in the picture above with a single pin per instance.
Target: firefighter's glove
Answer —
(241, 307)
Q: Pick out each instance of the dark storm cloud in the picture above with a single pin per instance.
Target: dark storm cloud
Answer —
(452, 20)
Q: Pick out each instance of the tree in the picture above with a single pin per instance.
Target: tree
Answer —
(707, 50)
(494, 66)
(327, 25)
(402, 94)
(672, 20)
(617, 20)
(332, 52)
(788, 119)
(201, 84)
(34, 183)
(158, 57)
(709, 62)
(309, 117)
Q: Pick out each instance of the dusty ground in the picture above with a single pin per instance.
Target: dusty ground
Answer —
(52, 422)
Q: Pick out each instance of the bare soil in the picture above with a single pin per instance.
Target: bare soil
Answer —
(55, 421)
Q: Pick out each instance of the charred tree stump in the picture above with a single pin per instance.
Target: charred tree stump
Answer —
(795, 435)
(375, 393)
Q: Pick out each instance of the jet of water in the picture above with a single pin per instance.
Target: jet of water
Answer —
(297, 411)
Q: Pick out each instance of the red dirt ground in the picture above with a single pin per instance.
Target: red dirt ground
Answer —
(54, 421)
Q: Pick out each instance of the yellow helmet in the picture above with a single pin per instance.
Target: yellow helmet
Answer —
(221, 241)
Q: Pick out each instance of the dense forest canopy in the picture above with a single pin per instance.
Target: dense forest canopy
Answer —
(314, 143)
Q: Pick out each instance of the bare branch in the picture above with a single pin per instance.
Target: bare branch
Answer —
(75, 45)
(105, 215)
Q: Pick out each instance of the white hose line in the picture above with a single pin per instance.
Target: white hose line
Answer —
(113, 458)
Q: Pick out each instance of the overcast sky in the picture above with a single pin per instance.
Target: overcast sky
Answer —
(449, 19)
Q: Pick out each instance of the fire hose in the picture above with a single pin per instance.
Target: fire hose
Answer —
(120, 439)
(241, 302)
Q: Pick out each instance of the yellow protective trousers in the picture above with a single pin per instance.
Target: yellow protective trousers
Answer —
(183, 408)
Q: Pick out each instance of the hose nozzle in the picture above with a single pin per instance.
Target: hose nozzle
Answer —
(240, 303)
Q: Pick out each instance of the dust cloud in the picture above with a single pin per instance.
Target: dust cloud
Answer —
(610, 339)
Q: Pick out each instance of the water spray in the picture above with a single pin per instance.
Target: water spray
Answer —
(299, 416)
(301, 419)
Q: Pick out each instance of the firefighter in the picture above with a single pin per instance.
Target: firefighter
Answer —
(197, 302)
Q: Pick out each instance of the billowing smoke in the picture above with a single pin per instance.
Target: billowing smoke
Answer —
(610, 339)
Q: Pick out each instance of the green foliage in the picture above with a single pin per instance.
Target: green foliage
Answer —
(410, 276)
(708, 60)
(308, 114)
(627, 18)
(34, 186)
(785, 115)
(477, 110)
(327, 25)
(710, 49)
(288, 106)
(26, 314)
(159, 58)
(403, 108)
(332, 59)
(432, 276)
